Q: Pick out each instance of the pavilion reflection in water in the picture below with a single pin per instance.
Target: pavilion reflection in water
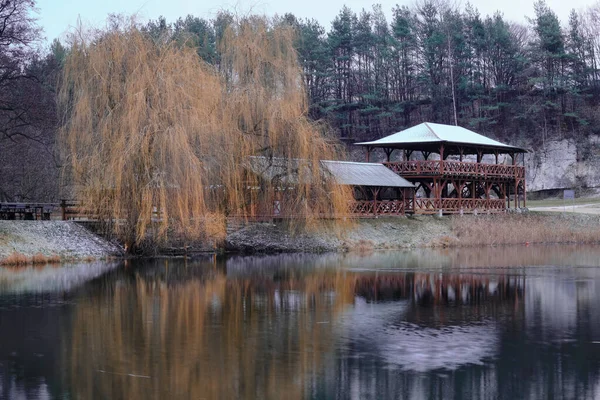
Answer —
(278, 327)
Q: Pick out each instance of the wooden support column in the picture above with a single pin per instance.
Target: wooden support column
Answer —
(375, 194)
(368, 152)
(63, 210)
(388, 153)
(524, 184)
(438, 192)
(441, 159)
(460, 193)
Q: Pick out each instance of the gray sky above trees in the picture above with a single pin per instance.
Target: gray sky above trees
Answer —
(58, 16)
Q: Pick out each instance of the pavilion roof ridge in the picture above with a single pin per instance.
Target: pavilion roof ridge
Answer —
(432, 131)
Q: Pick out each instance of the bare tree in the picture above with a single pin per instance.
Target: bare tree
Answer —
(28, 170)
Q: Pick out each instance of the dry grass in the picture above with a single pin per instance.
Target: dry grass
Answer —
(444, 241)
(15, 259)
(19, 259)
(524, 229)
(40, 258)
(150, 129)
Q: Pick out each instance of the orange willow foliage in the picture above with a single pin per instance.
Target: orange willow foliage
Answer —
(148, 126)
(163, 330)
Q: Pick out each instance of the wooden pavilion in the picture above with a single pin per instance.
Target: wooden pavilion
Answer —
(376, 190)
(433, 158)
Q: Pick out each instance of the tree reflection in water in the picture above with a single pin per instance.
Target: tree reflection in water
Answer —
(499, 323)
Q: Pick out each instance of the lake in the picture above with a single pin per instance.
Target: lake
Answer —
(488, 323)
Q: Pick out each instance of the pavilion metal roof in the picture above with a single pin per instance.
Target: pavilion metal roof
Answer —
(365, 174)
(428, 136)
(344, 172)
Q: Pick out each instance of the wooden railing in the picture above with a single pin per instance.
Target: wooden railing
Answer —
(27, 211)
(456, 168)
(65, 210)
(455, 205)
(379, 207)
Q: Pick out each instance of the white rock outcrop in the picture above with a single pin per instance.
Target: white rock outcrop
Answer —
(562, 164)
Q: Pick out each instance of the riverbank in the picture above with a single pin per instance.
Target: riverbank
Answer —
(23, 242)
(421, 231)
(40, 242)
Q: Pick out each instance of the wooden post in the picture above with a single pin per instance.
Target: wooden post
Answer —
(368, 152)
(459, 194)
(388, 153)
(63, 209)
(438, 192)
(442, 159)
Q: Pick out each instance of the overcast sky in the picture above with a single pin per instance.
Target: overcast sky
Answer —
(58, 16)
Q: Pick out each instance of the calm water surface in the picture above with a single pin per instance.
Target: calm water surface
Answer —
(497, 323)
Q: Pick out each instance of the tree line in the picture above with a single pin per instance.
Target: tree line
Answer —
(368, 76)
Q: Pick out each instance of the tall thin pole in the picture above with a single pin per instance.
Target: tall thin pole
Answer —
(452, 81)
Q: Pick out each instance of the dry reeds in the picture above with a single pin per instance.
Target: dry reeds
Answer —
(19, 259)
(157, 141)
(522, 229)
(15, 259)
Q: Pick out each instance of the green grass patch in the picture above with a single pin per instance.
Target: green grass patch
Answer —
(560, 202)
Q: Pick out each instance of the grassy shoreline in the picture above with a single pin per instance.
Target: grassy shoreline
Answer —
(423, 232)
(35, 247)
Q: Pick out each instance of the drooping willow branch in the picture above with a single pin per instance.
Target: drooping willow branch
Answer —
(157, 140)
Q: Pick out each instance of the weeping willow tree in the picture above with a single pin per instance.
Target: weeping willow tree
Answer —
(159, 142)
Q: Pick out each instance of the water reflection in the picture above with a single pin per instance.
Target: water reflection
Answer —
(497, 323)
